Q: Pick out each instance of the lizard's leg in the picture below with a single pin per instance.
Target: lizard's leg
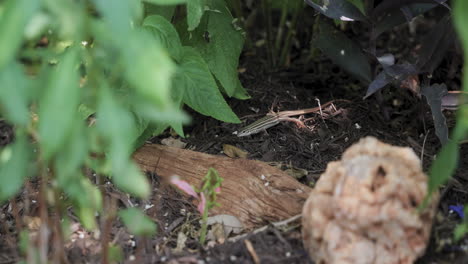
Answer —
(298, 122)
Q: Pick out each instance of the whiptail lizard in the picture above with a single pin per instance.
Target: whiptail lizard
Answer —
(272, 119)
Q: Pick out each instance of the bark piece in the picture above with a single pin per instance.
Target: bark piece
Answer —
(364, 207)
(252, 191)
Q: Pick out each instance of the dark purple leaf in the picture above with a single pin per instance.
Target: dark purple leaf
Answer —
(407, 13)
(391, 73)
(435, 45)
(391, 5)
(343, 51)
(399, 72)
(378, 83)
(434, 94)
(395, 17)
(337, 9)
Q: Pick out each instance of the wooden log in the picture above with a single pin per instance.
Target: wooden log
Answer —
(253, 191)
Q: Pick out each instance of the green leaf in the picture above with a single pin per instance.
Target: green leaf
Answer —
(137, 223)
(219, 43)
(444, 165)
(359, 4)
(116, 124)
(240, 92)
(166, 2)
(165, 11)
(58, 105)
(14, 165)
(195, 10)
(343, 51)
(119, 17)
(460, 231)
(72, 155)
(199, 89)
(14, 94)
(15, 16)
(148, 68)
(165, 33)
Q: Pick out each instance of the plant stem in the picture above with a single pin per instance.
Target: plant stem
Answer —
(204, 226)
(279, 35)
(267, 20)
(291, 32)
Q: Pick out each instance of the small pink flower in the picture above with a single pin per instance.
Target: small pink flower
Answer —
(184, 186)
(202, 204)
(218, 190)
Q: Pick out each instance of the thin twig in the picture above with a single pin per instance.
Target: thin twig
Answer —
(252, 252)
(422, 151)
(263, 228)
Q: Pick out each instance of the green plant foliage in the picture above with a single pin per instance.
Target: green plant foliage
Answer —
(15, 16)
(447, 159)
(57, 106)
(195, 10)
(137, 223)
(84, 82)
(219, 43)
(14, 161)
(198, 88)
(165, 33)
(166, 2)
(14, 95)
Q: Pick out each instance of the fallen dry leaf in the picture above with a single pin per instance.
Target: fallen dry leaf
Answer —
(234, 152)
(173, 142)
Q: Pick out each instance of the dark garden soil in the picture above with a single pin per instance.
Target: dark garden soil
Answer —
(409, 124)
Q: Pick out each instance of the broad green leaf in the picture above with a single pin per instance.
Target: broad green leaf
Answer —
(88, 201)
(14, 166)
(59, 103)
(240, 92)
(116, 254)
(343, 51)
(117, 126)
(130, 179)
(460, 231)
(13, 22)
(460, 8)
(14, 94)
(166, 2)
(87, 217)
(72, 155)
(148, 68)
(219, 43)
(137, 223)
(195, 10)
(69, 15)
(199, 89)
(85, 111)
(119, 16)
(444, 165)
(166, 11)
(359, 4)
(165, 33)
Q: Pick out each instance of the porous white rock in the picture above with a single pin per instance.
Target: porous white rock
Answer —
(364, 208)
